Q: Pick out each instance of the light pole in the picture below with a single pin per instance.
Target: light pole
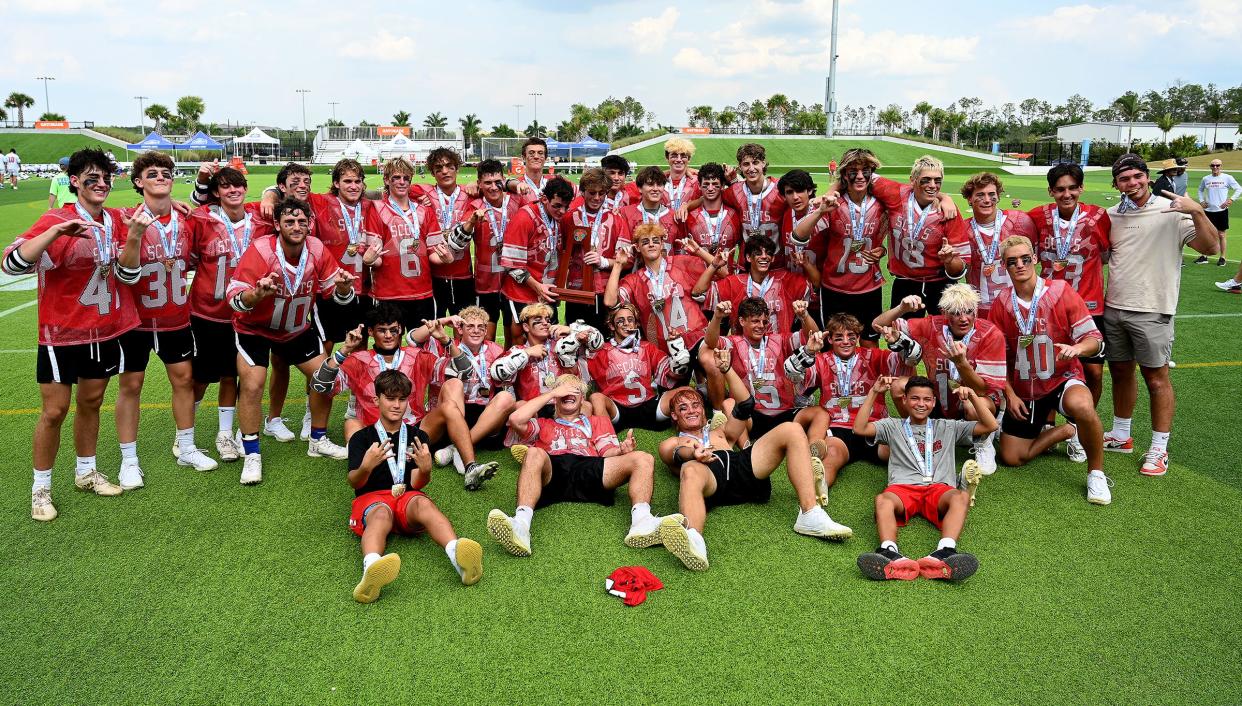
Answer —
(334, 104)
(518, 122)
(303, 91)
(142, 122)
(534, 110)
(47, 105)
(830, 100)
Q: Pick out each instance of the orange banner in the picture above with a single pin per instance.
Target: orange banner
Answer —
(695, 130)
(517, 166)
(390, 130)
(51, 124)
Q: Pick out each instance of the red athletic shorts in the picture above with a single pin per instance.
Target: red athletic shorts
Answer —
(384, 497)
(920, 500)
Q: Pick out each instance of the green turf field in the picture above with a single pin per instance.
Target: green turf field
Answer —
(198, 590)
(802, 153)
(35, 148)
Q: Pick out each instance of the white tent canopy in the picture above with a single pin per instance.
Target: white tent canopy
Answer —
(256, 137)
(358, 148)
(399, 144)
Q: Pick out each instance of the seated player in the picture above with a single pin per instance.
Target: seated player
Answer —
(389, 464)
(573, 457)
(958, 349)
(1047, 327)
(922, 480)
(633, 376)
(550, 351)
(355, 369)
(713, 474)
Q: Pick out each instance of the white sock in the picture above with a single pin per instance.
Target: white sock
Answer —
(451, 550)
(368, 560)
(84, 465)
(1074, 438)
(197, 404)
(640, 511)
(42, 479)
(697, 541)
(306, 414)
(1092, 473)
(129, 450)
(225, 415)
(1121, 428)
(1160, 440)
(524, 514)
(946, 542)
(185, 440)
(889, 544)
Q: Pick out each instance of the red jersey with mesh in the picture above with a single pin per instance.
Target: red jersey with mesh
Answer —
(843, 397)
(285, 314)
(529, 246)
(539, 376)
(842, 267)
(985, 272)
(78, 304)
(331, 229)
(360, 369)
(489, 234)
(405, 271)
(763, 369)
(451, 209)
(718, 231)
(599, 232)
(913, 257)
(779, 289)
(985, 351)
(683, 192)
(584, 436)
(1084, 262)
(162, 293)
(635, 215)
(629, 376)
(263, 226)
(1061, 316)
(480, 387)
(535, 189)
(677, 314)
(213, 250)
(766, 217)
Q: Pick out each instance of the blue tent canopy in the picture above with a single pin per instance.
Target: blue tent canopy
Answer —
(153, 141)
(200, 141)
(585, 148)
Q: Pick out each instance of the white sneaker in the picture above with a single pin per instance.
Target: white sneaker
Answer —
(646, 532)
(276, 428)
(816, 523)
(1075, 451)
(323, 447)
(41, 507)
(252, 471)
(130, 477)
(198, 460)
(304, 435)
(509, 533)
(227, 447)
(1228, 285)
(444, 456)
(985, 454)
(1097, 488)
(685, 544)
(96, 483)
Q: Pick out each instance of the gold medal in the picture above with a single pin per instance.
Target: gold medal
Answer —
(988, 269)
(104, 269)
(856, 245)
(844, 402)
(1059, 265)
(756, 383)
(1025, 340)
(549, 381)
(954, 384)
(168, 264)
(352, 249)
(398, 489)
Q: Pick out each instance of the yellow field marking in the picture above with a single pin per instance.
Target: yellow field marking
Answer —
(112, 407)
(1215, 364)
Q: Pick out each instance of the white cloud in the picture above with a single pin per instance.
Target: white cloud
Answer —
(649, 34)
(385, 46)
(1075, 23)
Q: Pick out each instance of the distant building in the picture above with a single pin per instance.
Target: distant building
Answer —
(1222, 136)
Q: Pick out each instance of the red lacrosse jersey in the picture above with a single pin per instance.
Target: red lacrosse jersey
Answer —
(584, 436)
(763, 369)
(1074, 253)
(405, 270)
(79, 302)
(985, 271)
(635, 215)
(360, 369)
(985, 351)
(263, 226)
(533, 245)
(451, 209)
(779, 289)
(489, 235)
(845, 233)
(843, 385)
(217, 254)
(599, 232)
(162, 293)
(287, 313)
(761, 214)
(911, 254)
(1061, 316)
(332, 228)
(479, 387)
(535, 189)
(665, 307)
(682, 193)
(629, 376)
(628, 194)
(718, 231)
(539, 376)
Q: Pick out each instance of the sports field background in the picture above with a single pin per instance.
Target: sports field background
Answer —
(196, 589)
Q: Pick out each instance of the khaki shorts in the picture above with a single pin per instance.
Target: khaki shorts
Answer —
(1139, 336)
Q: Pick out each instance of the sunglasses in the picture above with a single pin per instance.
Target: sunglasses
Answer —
(1021, 259)
(683, 155)
(855, 173)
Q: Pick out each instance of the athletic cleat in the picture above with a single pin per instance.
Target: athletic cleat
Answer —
(718, 420)
(199, 460)
(821, 482)
(518, 451)
(985, 454)
(228, 450)
(1117, 444)
(1201, 260)
(1155, 463)
(324, 448)
(646, 533)
(972, 473)
(252, 471)
(1098, 486)
(1230, 285)
(477, 473)
(305, 433)
(1075, 451)
(444, 456)
(375, 577)
(276, 429)
(887, 565)
(509, 533)
(1220, 262)
(41, 507)
(680, 543)
(130, 476)
(816, 523)
(98, 484)
(948, 564)
(469, 559)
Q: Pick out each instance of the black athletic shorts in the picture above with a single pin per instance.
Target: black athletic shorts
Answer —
(171, 347)
(1038, 414)
(215, 351)
(415, 311)
(641, 416)
(735, 480)
(864, 307)
(929, 291)
(337, 319)
(257, 350)
(590, 314)
(761, 424)
(576, 479)
(492, 442)
(489, 302)
(1220, 219)
(860, 449)
(89, 361)
(452, 295)
(1096, 359)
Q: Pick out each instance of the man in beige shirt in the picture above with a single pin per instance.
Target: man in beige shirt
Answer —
(1147, 236)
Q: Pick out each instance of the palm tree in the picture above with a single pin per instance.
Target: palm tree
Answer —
(189, 109)
(52, 116)
(923, 109)
(727, 118)
(580, 118)
(778, 108)
(401, 118)
(535, 130)
(758, 113)
(890, 118)
(1166, 123)
(21, 102)
(1214, 112)
(954, 121)
(609, 112)
(503, 130)
(435, 120)
(158, 114)
(936, 117)
(470, 128)
(1130, 106)
(3, 114)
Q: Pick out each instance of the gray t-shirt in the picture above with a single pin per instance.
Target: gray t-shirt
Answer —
(904, 465)
(1145, 257)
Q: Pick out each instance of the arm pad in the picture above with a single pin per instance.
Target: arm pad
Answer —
(127, 275)
(519, 276)
(15, 264)
(324, 378)
(237, 303)
(744, 409)
(797, 364)
(506, 367)
(459, 367)
(908, 348)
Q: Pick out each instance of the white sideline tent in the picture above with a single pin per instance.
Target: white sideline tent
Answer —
(398, 145)
(254, 141)
(358, 148)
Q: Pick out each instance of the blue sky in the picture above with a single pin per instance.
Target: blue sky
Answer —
(247, 59)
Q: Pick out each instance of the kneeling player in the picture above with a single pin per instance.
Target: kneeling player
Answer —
(629, 372)
(922, 480)
(573, 458)
(485, 404)
(713, 474)
(393, 501)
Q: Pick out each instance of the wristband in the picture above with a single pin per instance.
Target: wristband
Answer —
(340, 357)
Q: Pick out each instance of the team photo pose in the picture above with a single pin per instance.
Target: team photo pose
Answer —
(778, 288)
(633, 377)
(596, 232)
(652, 207)
(713, 225)
(988, 226)
(412, 243)
(756, 199)
(486, 403)
(550, 351)
(489, 217)
(530, 255)
(452, 281)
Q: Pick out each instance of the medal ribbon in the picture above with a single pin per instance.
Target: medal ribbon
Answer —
(704, 439)
(396, 464)
(581, 423)
(649, 217)
(292, 288)
(757, 367)
(396, 360)
(845, 373)
(1027, 324)
(479, 362)
(715, 227)
(408, 217)
(448, 207)
(594, 226)
(913, 227)
(754, 203)
(174, 226)
(235, 246)
(858, 226)
(498, 231)
(675, 194)
(764, 286)
(657, 285)
(925, 463)
(988, 254)
(948, 341)
(1064, 238)
(353, 225)
(102, 237)
(630, 344)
